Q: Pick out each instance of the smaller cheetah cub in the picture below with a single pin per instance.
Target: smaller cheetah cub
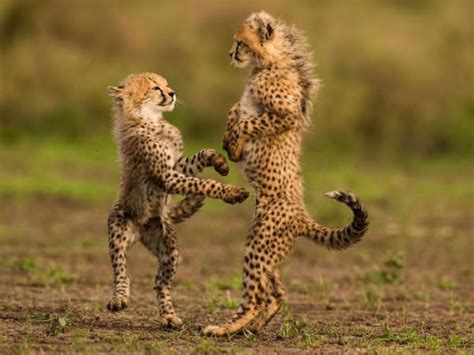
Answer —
(153, 168)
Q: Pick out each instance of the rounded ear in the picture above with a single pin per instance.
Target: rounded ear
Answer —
(269, 30)
(115, 91)
(266, 31)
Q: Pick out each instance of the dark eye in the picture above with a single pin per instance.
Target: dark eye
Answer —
(156, 88)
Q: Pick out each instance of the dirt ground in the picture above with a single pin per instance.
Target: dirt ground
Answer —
(408, 287)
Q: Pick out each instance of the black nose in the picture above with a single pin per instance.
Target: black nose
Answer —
(231, 54)
(171, 94)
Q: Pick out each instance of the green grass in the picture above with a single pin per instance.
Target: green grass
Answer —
(447, 284)
(380, 93)
(410, 201)
(412, 337)
(226, 283)
(373, 297)
(87, 170)
(230, 303)
(390, 272)
(79, 171)
(39, 274)
(298, 330)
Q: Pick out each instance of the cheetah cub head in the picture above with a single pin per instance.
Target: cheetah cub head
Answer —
(258, 41)
(145, 95)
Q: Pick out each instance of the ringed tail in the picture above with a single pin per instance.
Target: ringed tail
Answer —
(339, 238)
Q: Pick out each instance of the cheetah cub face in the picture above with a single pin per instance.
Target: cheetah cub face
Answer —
(146, 95)
(255, 41)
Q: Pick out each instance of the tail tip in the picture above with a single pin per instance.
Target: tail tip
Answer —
(333, 194)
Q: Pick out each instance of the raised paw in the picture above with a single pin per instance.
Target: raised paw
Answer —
(219, 163)
(117, 303)
(170, 321)
(234, 194)
(233, 144)
(235, 150)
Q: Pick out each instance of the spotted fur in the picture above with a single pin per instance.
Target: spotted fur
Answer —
(153, 168)
(264, 133)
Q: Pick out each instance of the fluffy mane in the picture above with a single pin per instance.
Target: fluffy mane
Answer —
(291, 46)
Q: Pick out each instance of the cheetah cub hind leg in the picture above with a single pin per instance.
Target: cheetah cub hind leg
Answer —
(274, 302)
(122, 234)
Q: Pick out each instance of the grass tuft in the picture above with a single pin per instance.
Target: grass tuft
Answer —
(390, 272)
(40, 274)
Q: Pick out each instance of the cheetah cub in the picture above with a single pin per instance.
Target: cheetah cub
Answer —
(153, 168)
(264, 133)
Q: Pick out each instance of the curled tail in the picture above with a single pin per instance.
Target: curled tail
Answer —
(186, 208)
(340, 238)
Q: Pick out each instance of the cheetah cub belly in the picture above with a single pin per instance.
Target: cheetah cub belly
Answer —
(264, 133)
(153, 168)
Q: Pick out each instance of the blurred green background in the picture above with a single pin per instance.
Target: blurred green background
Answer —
(393, 122)
(397, 89)
(397, 75)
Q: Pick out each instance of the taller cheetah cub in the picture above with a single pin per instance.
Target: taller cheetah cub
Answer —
(153, 168)
(264, 133)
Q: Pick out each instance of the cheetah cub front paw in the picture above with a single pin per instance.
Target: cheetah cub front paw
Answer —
(117, 303)
(234, 194)
(219, 163)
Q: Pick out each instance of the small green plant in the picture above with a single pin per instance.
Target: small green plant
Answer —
(41, 274)
(206, 346)
(231, 283)
(431, 342)
(299, 287)
(447, 284)
(391, 270)
(373, 297)
(410, 336)
(24, 264)
(230, 302)
(57, 323)
(249, 335)
(455, 340)
(406, 336)
(212, 305)
(186, 285)
(53, 275)
(296, 329)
